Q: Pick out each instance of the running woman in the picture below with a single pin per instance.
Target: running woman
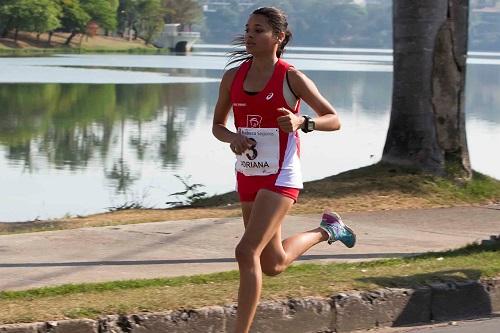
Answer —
(265, 94)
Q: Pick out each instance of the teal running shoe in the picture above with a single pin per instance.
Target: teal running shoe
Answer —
(337, 230)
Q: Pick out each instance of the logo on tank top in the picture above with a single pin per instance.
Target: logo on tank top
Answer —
(269, 96)
(253, 120)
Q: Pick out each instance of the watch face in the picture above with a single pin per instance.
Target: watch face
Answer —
(310, 125)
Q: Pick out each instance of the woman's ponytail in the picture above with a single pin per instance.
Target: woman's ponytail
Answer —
(281, 47)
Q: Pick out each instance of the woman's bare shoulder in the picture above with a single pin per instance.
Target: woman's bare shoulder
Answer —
(299, 82)
(296, 75)
(230, 73)
(228, 77)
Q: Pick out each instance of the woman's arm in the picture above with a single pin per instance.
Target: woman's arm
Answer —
(238, 142)
(305, 89)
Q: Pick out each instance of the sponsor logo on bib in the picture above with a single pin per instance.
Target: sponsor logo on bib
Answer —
(269, 96)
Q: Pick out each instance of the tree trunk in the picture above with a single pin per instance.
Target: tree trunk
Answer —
(49, 40)
(136, 33)
(8, 27)
(16, 35)
(129, 32)
(427, 127)
(68, 41)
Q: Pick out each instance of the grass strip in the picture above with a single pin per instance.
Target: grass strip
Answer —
(28, 44)
(119, 297)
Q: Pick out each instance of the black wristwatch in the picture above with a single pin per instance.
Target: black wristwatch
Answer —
(308, 125)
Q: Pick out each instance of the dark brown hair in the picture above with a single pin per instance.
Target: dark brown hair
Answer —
(277, 20)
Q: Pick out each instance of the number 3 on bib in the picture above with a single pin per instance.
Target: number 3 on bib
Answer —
(262, 159)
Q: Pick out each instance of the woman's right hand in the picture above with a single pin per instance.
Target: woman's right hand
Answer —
(240, 144)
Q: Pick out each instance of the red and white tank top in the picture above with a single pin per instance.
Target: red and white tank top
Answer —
(276, 153)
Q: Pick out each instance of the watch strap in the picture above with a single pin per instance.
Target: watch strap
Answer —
(306, 126)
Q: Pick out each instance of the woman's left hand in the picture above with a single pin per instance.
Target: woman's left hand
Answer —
(289, 122)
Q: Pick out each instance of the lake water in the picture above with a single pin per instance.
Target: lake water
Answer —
(82, 133)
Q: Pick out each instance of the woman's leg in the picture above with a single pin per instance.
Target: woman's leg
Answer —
(278, 254)
(263, 222)
(261, 250)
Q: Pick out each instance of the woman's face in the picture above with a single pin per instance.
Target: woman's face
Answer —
(259, 36)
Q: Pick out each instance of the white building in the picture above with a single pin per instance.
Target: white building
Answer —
(175, 39)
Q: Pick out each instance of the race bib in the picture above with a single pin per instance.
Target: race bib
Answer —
(263, 158)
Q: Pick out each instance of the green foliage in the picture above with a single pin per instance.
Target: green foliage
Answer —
(191, 194)
(46, 16)
(150, 18)
(100, 11)
(114, 5)
(313, 22)
(145, 17)
(480, 188)
(74, 18)
(128, 14)
(30, 15)
(185, 11)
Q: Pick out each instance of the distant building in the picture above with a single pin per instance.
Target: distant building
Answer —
(92, 28)
(175, 39)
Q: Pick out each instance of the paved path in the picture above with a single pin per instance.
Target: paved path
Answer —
(483, 325)
(174, 248)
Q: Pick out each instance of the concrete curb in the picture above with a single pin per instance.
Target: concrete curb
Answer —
(342, 312)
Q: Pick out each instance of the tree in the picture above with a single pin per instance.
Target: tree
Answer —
(46, 17)
(150, 19)
(185, 12)
(114, 7)
(128, 16)
(101, 11)
(74, 19)
(29, 15)
(427, 126)
(6, 19)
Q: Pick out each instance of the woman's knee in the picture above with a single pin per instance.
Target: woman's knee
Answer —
(245, 254)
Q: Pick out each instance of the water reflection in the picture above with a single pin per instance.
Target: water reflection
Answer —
(68, 125)
(64, 126)
(366, 92)
(132, 136)
(482, 97)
